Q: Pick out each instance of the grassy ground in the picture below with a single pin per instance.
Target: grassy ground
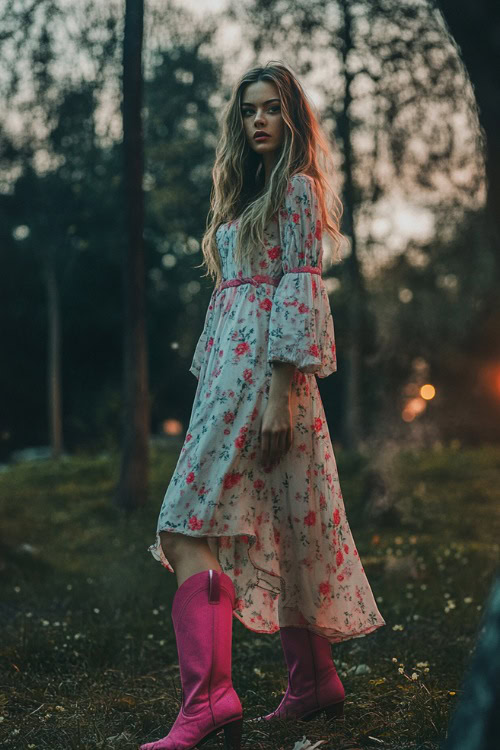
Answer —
(88, 657)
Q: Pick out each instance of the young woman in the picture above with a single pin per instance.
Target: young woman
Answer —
(253, 519)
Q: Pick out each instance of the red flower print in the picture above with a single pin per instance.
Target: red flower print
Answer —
(310, 519)
(346, 549)
(336, 517)
(230, 480)
(263, 264)
(274, 252)
(251, 297)
(242, 348)
(295, 218)
(324, 588)
(190, 477)
(227, 432)
(240, 442)
(258, 484)
(302, 308)
(333, 349)
(302, 447)
(188, 437)
(195, 524)
(315, 288)
(313, 349)
(209, 343)
(318, 424)
(244, 539)
(247, 375)
(229, 417)
(266, 304)
(339, 558)
(340, 577)
(317, 233)
(277, 535)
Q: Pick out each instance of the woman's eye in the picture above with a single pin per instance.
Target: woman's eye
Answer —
(249, 111)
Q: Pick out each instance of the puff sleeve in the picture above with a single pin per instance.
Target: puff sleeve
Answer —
(301, 325)
(205, 341)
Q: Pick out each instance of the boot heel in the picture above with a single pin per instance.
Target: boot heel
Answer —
(232, 735)
(335, 711)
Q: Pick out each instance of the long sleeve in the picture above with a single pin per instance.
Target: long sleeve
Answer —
(205, 341)
(301, 325)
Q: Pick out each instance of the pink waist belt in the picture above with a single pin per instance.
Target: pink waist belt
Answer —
(263, 279)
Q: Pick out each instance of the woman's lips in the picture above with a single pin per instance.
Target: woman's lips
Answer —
(261, 137)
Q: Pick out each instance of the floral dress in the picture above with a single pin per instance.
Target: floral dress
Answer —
(281, 534)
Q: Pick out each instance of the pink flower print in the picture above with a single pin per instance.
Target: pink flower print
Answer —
(229, 417)
(242, 348)
(237, 571)
(333, 349)
(318, 424)
(313, 349)
(314, 287)
(340, 577)
(266, 304)
(317, 233)
(254, 414)
(227, 432)
(339, 558)
(355, 552)
(251, 297)
(295, 218)
(239, 604)
(277, 535)
(322, 500)
(263, 264)
(190, 477)
(230, 480)
(247, 375)
(195, 524)
(258, 484)
(244, 539)
(274, 252)
(324, 588)
(303, 308)
(221, 352)
(310, 519)
(346, 549)
(225, 542)
(336, 517)
(302, 447)
(301, 255)
(210, 343)
(188, 437)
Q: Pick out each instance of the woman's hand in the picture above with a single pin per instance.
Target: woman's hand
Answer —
(275, 432)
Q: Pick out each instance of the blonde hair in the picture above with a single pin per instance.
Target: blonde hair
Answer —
(238, 174)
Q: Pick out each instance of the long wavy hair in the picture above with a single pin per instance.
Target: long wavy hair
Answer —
(238, 173)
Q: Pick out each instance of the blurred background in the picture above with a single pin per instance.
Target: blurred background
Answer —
(109, 118)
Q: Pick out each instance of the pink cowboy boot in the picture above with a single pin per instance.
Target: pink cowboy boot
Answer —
(202, 614)
(313, 682)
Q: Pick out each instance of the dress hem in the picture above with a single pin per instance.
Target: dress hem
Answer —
(153, 549)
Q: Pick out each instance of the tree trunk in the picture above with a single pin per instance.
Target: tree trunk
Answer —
(352, 429)
(54, 358)
(131, 491)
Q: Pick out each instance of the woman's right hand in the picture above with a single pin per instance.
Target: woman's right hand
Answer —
(276, 435)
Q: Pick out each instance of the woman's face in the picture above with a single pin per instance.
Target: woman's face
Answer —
(261, 110)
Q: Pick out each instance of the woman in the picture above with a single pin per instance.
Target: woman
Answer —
(253, 519)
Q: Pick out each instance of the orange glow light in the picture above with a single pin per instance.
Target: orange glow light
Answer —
(427, 391)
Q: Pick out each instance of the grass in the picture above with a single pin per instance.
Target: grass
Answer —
(88, 655)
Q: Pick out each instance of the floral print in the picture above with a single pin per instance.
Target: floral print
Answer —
(281, 534)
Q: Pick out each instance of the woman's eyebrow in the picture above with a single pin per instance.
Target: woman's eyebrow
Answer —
(249, 104)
